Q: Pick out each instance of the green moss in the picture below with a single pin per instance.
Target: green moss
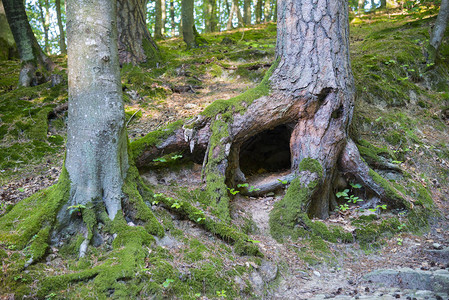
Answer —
(397, 200)
(240, 103)
(134, 188)
(372, 154)
(311, 165)
(152, 139)
(30, 215)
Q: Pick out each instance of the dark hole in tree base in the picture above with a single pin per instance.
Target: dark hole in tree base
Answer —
(268, 151)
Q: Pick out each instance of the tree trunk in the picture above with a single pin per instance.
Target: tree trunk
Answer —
(234, 9)
(438, 31)
(8, 48)
(258, 10)
(96, 158)
(35, 64)
(45, 20)
(383, 4)
(135, 44)
(62, 46)
(188, 23)
(310, 96)
(247, 12)
(210, 15)
(164, 15)
(266, 12)
(239, 14)
(172, 18)
(158, 20)
(230, 16)
(361, 5)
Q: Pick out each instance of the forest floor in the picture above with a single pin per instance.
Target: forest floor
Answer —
(397, 112)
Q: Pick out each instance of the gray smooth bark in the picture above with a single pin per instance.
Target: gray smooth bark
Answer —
(247, 12)
(96, 157)
(158, 20)
(438, 30)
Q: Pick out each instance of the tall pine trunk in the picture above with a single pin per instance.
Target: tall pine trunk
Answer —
(8, 48)
(135, 44)
(258, 10)
(247, 12)
(172, 18)
(158, 20)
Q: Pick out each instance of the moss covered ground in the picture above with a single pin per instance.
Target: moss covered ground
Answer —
(179, 247)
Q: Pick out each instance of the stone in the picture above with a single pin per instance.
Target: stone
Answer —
(257, 282)
(437, 246)
(268, 270)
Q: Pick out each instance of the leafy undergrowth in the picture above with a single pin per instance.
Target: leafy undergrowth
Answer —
(398, 122)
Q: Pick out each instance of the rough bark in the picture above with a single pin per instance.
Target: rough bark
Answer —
(135, 44)
(312, 92)
(383, 4)
(438, 31)
(35, 64)
(235, 10)
(188, 23)
(62, 45)
(96, 158)
(8, 47)
(247, 12)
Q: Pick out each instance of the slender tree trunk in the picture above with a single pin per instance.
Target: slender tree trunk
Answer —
(210, 15)
(383, 3)
(8, 48)
(258, 10)
(438, 31)
(238, 13)
(135, 44)
(35, 63)
(158, 20)
(247, 12)
(96, 158)
(164, 15)
(372, 5)
(361, 5)
(172, 18)
(188, 23)
(44, 15)
(62, 46)
(266, 11)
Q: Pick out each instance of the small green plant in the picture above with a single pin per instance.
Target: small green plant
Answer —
(176, 205)
(355, 185)
(283, 181)
(167, 282)
(197, 295)
(76, 208)
(253, 241)
(50, 296)
(155, 202)
(253, 189)
(399, 241)
(160, 159)
(158, 195)
(242, 185)
(21, 190)
(221, 294)
(383, 206)
(233, 191)
(343, 207)
(402, 226)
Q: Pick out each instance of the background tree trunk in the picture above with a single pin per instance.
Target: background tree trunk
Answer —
(266, 11)
(438, 30)
(188, 23)
(96, 158)
(62, 45)
(35, 63)
(135, 44)
(158, 20)
(258, 10)
(44, 14)
(8, 48)
(210, 16)
(247, 12)
(172, 18)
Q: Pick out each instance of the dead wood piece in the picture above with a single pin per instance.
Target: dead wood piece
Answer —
(186, 88)
(258, 66)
